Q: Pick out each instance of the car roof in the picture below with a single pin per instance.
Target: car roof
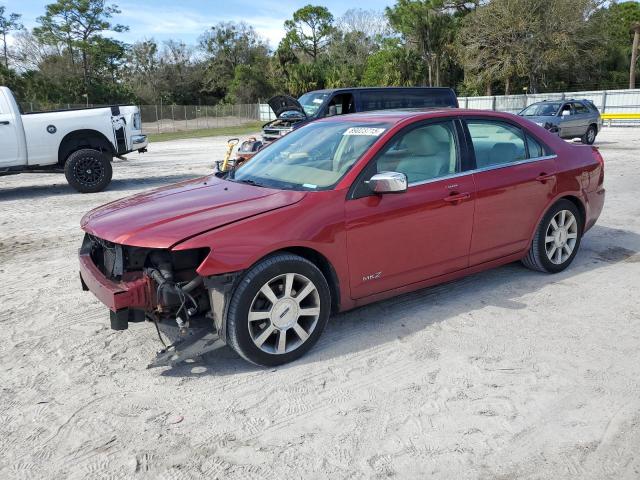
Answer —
(401, 115)
(562, 100)
(332, 90)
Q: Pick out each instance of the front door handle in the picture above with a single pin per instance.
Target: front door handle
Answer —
(4, 122)
(457, 197)
(544, 177)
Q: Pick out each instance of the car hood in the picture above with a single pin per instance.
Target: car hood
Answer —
(166, 216)
(284, 103)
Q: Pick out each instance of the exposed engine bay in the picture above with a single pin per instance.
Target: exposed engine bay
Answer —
(281, 126)
(172, 295)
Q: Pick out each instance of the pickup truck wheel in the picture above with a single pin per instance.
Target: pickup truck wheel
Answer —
(88, 170)
(557, 239)
(278, 310)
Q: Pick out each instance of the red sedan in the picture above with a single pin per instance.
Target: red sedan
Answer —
(340, 213)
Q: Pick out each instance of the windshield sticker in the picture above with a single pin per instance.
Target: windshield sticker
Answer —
(318, 100)
(309, 185)
(366, 131)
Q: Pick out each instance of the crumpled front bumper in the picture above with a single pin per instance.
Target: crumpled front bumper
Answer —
(133, 291)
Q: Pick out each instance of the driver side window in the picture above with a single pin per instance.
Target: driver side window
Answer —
(566, 108)
(423, 153)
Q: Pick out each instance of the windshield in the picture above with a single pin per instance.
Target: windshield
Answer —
(311, 102)
(314, 157)
(541, 110)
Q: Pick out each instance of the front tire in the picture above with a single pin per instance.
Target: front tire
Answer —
(557, 239)
(590, 135)
(278, 310)
(88, 170)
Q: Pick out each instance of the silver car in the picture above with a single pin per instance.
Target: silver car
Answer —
(568, 118)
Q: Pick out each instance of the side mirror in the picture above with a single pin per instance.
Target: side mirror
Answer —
(388, 182)
(566, 113)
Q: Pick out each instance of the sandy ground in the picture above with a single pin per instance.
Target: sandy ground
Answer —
(508, 374)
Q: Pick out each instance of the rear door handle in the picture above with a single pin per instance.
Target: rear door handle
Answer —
(544, 177)
(457, 197)
(4, 122)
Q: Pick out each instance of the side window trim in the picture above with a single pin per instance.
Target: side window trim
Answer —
(513, 164)
(549, 153)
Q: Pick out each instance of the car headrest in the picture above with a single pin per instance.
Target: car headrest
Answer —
(503, 152)
(420, 142)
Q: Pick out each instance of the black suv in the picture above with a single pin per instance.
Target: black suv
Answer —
(292, 113)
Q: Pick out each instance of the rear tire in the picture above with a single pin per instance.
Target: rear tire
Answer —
(590, 135)
(278, 310)
(88, 170)
(557, 239)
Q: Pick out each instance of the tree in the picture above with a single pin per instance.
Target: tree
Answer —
(426, 25)
(7, 25)
(226, 46)
(310, 30)
(545, 44)
(372, 23)
(634, 54)
(78, 24)
(394, 65)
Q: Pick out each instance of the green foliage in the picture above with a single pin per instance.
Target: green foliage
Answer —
(476, 46)
(249, 84)
(227, 46)
(394, 65)
(540, 44)
(310, 30)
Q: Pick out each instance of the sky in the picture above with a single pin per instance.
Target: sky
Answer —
(187, 19)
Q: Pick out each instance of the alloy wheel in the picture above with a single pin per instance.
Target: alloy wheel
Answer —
(284, 313)
(561, 237)
(89, 170)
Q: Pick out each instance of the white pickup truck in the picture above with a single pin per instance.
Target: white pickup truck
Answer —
(80, 142)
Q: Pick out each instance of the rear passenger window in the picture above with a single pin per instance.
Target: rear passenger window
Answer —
(422, 153)
(496, 143)
(580, 108)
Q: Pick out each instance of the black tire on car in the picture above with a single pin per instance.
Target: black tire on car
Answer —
(88, 170)
(278, 310)
(557, 239)
(590, 135)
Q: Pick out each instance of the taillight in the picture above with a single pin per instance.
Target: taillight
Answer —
(598, 156)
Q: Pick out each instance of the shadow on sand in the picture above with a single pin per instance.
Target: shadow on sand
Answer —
(403, 315)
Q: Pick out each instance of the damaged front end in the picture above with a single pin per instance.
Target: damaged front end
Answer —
(160, 286)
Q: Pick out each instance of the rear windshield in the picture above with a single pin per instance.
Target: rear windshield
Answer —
(406, 98)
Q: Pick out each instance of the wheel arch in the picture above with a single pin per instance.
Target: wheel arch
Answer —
(579, 205)
(79, 139)
(323, 264)
(576, 200)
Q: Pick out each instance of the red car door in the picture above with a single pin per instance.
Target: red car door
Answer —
(399, 239)
(515, 181)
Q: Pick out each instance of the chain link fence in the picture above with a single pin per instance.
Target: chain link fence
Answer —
(174, 118)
